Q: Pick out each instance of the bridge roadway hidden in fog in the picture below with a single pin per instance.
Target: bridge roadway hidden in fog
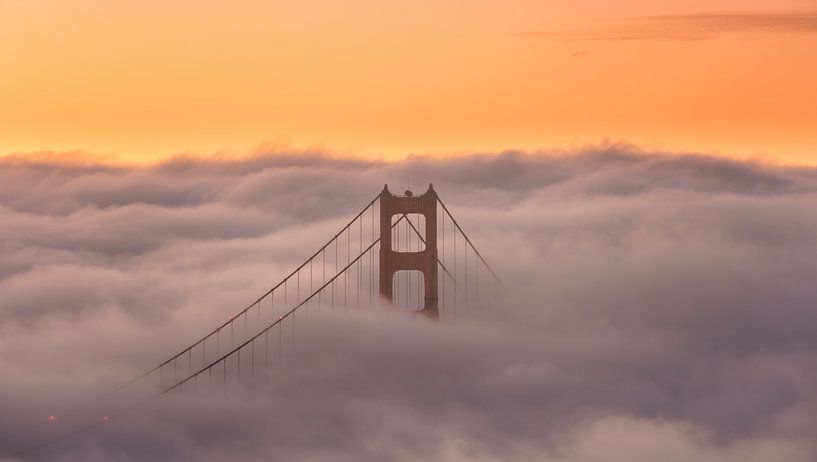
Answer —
(417, 236)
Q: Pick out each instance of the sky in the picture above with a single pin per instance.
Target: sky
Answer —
(140, 81)
(658, 307)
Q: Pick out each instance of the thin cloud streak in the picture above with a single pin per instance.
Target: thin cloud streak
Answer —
(691, 27)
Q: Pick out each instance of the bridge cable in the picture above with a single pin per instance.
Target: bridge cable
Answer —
(230, 320)
(222, 359)
(470, 243)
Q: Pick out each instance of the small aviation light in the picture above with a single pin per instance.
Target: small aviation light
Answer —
(105, 418)
(52, 418)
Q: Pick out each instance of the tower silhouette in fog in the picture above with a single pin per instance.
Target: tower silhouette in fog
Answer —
(424, 261)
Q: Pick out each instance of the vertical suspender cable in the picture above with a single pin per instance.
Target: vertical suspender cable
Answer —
(467, 240)
(454, 248)
(465, 247)
(346, 273)
(420, 298)
(407, 274)
(371, 257)
(476, 283)
(306, 314)
(442, 298)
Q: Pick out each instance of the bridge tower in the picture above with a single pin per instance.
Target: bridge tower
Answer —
(424, 261)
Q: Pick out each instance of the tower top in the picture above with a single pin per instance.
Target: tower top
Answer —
(409, 193)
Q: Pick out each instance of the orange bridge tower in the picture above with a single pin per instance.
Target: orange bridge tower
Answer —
(424, 261)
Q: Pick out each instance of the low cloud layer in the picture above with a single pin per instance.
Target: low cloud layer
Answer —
(659, 307)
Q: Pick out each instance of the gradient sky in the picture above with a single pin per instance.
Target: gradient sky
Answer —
(142, 80)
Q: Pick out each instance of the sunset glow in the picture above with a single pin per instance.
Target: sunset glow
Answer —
(402, 230)
(140, 81)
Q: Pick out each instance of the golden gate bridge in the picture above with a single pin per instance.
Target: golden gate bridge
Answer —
(406, 252)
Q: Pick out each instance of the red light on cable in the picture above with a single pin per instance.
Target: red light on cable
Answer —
(52, 418)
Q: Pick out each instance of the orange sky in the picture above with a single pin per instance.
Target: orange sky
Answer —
(142, 80)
